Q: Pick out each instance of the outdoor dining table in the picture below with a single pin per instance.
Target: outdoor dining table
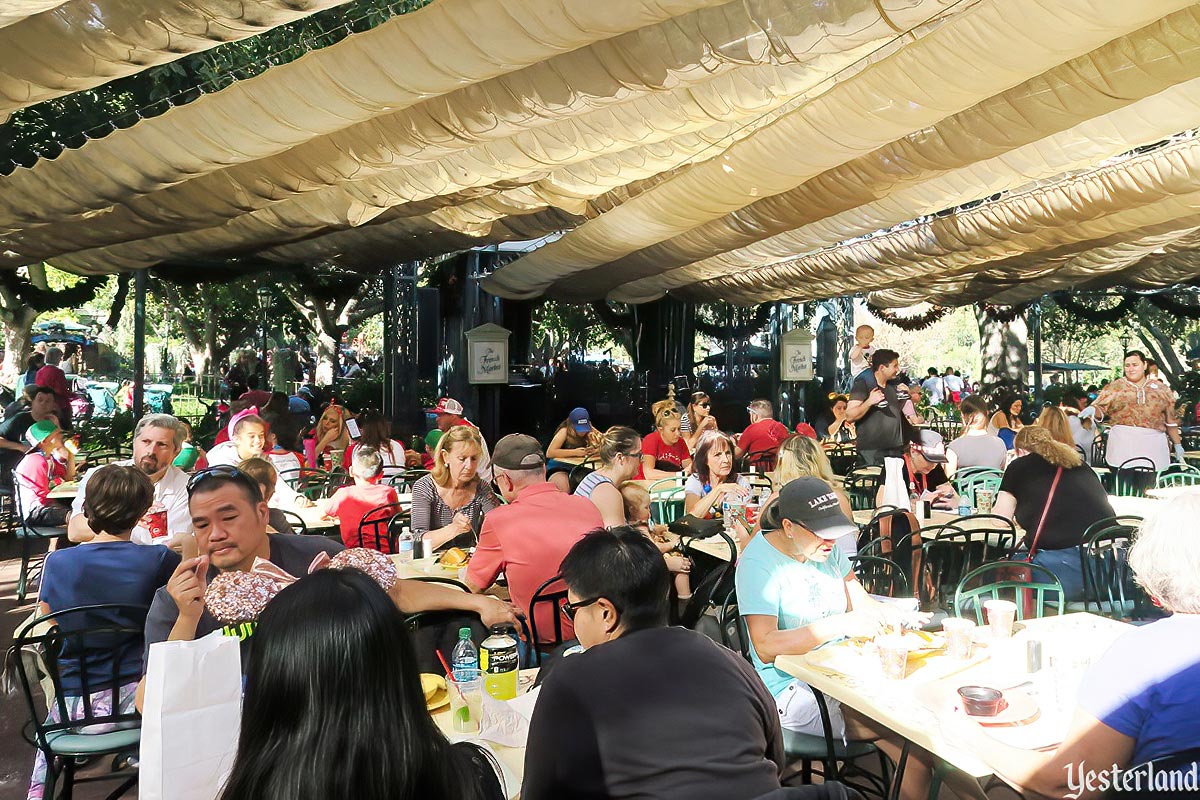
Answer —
(512, 759)
(67, 490)
(851, 673)
(1171, 492)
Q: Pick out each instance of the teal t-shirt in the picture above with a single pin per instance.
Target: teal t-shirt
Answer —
(796, 593)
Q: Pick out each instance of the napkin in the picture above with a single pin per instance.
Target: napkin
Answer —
(506, 722)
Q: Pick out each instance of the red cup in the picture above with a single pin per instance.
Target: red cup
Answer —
(156, 523)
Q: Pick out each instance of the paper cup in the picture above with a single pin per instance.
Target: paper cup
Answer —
(959, 635)
(1001, 615)
(893, 656)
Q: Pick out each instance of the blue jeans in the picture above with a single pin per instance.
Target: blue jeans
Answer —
(1065, 566)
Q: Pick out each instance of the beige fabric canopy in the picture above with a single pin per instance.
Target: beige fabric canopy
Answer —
(53, 48)
(748, 150)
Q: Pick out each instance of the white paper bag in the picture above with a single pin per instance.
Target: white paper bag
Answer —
(190, 718)
(895, 492)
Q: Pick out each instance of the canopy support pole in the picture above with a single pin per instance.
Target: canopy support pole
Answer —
(1035, 323)
(141, 278)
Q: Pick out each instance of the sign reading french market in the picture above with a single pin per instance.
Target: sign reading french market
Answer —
(487, 354)
(796, 355)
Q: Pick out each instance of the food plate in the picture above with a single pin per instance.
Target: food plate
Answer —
(434, 688)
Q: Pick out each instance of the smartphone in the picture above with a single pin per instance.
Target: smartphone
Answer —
(352, 427)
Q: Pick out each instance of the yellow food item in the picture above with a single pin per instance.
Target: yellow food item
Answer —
(454, 557)
(431, 684)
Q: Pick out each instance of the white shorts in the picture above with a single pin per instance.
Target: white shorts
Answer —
(798, 711)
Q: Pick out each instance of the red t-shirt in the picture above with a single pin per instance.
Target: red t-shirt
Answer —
(763, 436)
(54, 378)
(527, 540)
(350, 503)
(668, 458)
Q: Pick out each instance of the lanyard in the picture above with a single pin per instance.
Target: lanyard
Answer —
(914, 476)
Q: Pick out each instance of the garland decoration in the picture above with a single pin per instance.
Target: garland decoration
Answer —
(1089, 313)
(1002, 314)
(917, 323)
(759, 320)
(1173, 306)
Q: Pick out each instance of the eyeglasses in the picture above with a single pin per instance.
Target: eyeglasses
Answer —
(637, 455)
(703, 405)
(226, 471)
(569, 610)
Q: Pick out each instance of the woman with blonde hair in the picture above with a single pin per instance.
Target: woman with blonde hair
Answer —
(664, 452)
(1054, 420)
(449, 503)
(1050, 486)
(331, 432)
(802, 457)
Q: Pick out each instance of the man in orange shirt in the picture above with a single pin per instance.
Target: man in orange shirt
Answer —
(528, 538)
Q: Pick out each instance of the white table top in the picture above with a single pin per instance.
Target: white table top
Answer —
(901, 706)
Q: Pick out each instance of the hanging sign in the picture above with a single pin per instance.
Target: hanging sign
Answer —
(796, 355)
(487, 354)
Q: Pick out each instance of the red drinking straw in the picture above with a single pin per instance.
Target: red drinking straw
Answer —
(450, 676)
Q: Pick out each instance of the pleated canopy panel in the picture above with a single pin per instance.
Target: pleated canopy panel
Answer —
(749, 151)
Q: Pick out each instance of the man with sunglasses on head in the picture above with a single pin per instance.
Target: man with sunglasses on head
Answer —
(229, 518)
(646, 710)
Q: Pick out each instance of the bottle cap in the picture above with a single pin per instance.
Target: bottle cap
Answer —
(464, 633)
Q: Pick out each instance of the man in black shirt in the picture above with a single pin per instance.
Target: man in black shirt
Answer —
(229, 518)
(878, 407)
(646, 710)
(12, 431)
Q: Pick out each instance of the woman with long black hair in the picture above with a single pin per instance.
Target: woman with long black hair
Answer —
(334, 708)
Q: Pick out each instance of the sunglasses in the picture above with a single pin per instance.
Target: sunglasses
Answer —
(703, 405)
(569, 610)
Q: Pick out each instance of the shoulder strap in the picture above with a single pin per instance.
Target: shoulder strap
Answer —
(1045, 511)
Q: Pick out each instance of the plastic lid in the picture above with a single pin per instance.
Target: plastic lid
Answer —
(464, 633)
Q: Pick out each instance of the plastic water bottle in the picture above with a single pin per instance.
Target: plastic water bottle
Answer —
(914, 500)
(464, 659)
(727, 513)
(404, 545)
(964, 505)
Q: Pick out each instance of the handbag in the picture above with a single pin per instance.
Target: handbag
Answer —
(694, 527)
(1024, 597)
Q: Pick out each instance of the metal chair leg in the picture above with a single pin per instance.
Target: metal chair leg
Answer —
(23, 581)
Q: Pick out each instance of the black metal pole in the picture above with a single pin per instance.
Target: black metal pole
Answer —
(139, 342)
(1035, 317)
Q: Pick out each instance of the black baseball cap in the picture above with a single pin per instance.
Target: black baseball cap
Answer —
(811, 503)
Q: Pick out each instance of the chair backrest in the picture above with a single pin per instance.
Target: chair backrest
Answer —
(552, 593)
(730, 621)
(968, 483)
(842, 458)
(997, 532)
(375, 529)
(80, 641)
(950, 553)
(1031, 586)
(1108, 578)
(763, 460)
(880, 576)
(666, 499)
(862, 484)
(297, 522)
(578, 473)
(1134, 477)
(1177, 475)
